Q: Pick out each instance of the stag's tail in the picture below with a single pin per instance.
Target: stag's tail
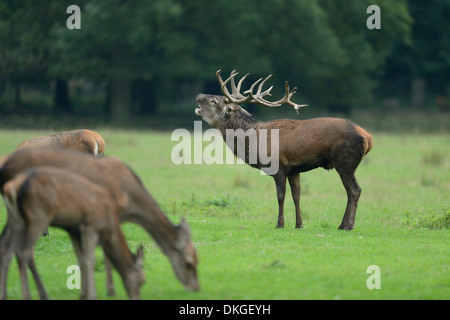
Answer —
(367, 139)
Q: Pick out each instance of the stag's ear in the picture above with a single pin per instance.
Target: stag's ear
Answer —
(229, 109)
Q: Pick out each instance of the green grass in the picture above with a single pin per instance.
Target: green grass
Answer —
(402, 226)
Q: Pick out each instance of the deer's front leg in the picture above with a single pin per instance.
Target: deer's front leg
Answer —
(84, 245)
(294, 182)
(109, 280)
(280, 181)
(89, 240)
(7, 247)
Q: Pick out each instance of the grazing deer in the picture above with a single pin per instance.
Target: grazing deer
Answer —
(81, 140)
(43, 196)
(303, 144)
(140, 207)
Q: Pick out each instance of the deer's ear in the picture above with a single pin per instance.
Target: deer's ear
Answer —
(229, 109)
(184, 234)
(140, 254)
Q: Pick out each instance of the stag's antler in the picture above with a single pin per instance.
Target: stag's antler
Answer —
(258, 97)
(236, 96)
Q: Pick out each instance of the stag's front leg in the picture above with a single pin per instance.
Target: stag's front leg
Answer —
(294, 183)
(280, 181)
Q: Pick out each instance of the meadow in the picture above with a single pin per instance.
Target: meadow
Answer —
(402, 225)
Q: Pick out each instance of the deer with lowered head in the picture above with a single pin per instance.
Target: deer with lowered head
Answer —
(81, 140)
(303, 145)
(43, 196)
(139, 207)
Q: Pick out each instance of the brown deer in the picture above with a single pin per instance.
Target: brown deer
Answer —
(303, 145)
(43, 196)
(140, 207)
(81, 140)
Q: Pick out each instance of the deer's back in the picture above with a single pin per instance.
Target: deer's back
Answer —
(319, 142)
(108, 172)
(63, 197)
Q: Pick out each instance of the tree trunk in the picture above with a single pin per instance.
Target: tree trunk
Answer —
(144, 96)
(120, 99)
(61, 100)
(16, 94)
(418, 93)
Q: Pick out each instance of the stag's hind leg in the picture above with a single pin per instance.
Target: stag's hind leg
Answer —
(353, 192)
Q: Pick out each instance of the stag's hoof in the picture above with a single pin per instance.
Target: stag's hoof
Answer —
(299, 226)
(346, 228)
(279, 227)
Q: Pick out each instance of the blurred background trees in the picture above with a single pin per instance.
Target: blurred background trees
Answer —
(133, 57)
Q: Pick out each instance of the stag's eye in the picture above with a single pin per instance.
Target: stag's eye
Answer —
(213, 101)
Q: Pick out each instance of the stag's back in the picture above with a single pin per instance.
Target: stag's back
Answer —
(319, 142)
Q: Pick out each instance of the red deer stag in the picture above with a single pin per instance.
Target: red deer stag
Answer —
(140, 207)
(303, 144)
(81, 140)
(43, 196)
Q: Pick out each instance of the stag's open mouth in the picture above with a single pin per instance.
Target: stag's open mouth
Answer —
(198, 110)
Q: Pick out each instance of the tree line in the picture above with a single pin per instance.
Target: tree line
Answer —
(143, 54)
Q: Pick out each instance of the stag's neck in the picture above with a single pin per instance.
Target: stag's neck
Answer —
(237, 120)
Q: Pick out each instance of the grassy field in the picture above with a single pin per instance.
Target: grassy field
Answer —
(401, 226)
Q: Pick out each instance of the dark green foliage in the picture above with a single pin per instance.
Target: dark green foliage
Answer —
(144, 54)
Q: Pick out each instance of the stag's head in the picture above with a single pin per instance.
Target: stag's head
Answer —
(211, 107)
